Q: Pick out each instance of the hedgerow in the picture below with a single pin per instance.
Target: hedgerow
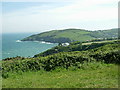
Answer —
(108, 54)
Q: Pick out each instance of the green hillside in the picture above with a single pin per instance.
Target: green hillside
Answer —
(75, 46)
(70, 35)
(107, 53)
(94, 67)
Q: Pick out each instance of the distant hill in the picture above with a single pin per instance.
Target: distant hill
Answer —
(70, 35)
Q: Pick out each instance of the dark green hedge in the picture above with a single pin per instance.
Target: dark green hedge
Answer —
(108, 54)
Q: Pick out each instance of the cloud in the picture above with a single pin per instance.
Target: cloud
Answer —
(39, 0)
(88, 9)
(87, 14)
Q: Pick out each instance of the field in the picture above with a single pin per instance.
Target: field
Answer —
(95, 75)
(70, 35)
(106, 41)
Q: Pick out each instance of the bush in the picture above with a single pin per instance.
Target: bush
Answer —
(84, 59)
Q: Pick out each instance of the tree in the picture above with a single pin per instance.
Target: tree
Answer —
(60, 44)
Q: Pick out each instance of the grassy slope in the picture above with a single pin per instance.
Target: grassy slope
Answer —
(98, 76)
(73, 34)
(106, 41)
(85, 46)
(90, 75)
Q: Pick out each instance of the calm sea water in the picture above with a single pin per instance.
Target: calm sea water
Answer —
(11, 46)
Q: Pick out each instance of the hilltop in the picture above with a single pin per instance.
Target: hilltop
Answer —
(71, 35)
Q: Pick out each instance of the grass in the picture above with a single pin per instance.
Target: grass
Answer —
(106, 41)
(73, 34)
(93, 75)
(78, 35)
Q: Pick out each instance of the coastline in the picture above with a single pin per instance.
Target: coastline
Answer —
(36, 41)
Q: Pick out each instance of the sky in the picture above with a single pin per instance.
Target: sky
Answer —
(46, 15)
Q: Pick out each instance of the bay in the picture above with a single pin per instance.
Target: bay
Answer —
(12, 46)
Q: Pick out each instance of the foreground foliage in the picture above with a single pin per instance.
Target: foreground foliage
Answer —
(94, 66)
(92, 75)
(109, 53)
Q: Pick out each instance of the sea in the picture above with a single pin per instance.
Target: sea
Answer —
(12, 46)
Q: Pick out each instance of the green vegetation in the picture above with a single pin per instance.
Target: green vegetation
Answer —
(75, 66)
(94, 75)
(70, 35)
(108, 54)
(75, 46)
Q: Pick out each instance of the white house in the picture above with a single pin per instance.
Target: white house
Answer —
(65, 44)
